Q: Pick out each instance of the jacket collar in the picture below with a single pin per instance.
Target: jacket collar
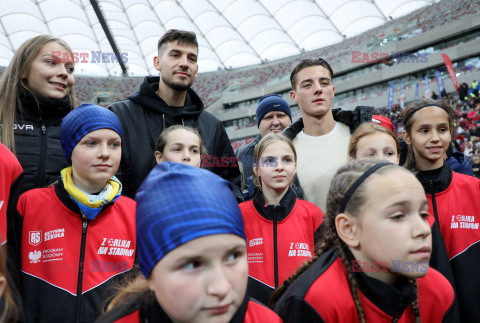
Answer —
(275, 212)
(65, 198)
(155, 313)
(37, 107)
(392, 300)
(352, 118)
(440, 184)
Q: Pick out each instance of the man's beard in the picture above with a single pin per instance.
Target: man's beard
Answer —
(177, 86)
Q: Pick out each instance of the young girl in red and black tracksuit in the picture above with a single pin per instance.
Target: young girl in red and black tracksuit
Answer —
(77, 237)
(280, 228)
(453, 197)
(372, 265)
(192, 253)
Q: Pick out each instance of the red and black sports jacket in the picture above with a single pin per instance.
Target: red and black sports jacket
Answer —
(322, 294)
(279, 239)
(454, 200)
(146, 309)
(69, 264)
(10, 169)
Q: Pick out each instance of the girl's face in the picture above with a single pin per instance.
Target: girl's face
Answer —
(393, 232)
(379, 146)
(276, 166)
(183, 147)
(51, 74)
(429, 136)
(203, 280)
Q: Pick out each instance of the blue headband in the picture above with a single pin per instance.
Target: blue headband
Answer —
(83, 120)
(178, 203)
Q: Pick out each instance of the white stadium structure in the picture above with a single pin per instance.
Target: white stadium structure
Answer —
(247, 48)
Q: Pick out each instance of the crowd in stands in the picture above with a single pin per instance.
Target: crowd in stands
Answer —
(415, 23)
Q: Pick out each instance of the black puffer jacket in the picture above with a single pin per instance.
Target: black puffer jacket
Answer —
(144, 115)
(37, 139)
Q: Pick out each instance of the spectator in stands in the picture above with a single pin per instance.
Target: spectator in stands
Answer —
(443, 94)
(273, 115)
(36, 93)
(468, 150)
(434, 96)
(476, 166)
(475, 85)
(463, 91)
(165, 101)
(474, 131)
(321, 142)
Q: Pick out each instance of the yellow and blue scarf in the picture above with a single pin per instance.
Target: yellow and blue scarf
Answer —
(91, 205)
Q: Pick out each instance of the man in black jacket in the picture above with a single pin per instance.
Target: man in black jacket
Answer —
(165, 101)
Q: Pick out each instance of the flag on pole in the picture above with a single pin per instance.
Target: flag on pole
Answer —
(427, 90)
(402, 96)
(390, 95)
(440, 84)
(451, 70)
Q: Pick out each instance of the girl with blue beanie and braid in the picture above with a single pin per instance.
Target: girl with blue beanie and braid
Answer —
(76, 238)
(192, 253)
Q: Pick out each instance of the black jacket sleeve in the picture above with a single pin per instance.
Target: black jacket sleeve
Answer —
(232, 171)
(295, 310)
(14, 231)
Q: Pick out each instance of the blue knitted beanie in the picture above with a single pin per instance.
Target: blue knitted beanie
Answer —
(272, 102)
(83, 120)
(178, 203)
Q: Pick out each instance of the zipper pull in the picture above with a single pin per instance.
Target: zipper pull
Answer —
(84, 229)
(44, 129)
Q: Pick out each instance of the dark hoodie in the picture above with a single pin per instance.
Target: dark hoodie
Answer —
(144, 115)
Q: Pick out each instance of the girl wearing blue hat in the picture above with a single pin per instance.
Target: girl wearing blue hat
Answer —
(76, 238)
(192, 253)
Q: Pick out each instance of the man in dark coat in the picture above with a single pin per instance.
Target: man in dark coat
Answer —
(165, 101)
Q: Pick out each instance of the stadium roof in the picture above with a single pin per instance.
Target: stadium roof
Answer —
(231, 33)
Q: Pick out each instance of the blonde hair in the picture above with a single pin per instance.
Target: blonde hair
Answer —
(268, 139)
(12, 83)
(366, 129)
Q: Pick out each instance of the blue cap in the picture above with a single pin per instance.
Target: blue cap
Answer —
(178, 203)
(272, 102)
(83, 120)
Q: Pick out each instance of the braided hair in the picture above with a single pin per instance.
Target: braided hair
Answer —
(345, 177)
